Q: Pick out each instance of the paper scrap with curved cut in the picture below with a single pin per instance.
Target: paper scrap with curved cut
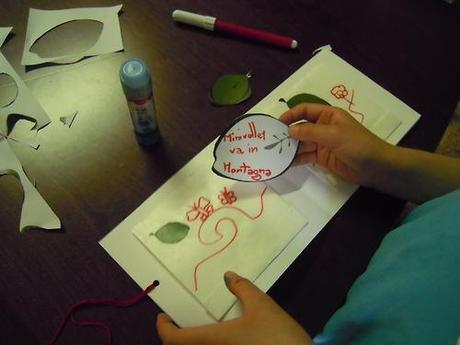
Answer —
(172, 232)
(35, 211)
(42, 21)
(4, 32)
(255, 148)
(25, 103)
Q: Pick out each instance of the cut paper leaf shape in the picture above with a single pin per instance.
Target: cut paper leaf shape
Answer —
(171, 233)
(24, 105)
(303, 98)
(35, 211)
(230, 89)
(42, 21)
(256, 147)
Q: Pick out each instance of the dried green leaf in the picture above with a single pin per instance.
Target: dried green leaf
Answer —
(230, 89)
(304, 98)
(173, 232)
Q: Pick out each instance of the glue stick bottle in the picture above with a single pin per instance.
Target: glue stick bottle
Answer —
(137, 86)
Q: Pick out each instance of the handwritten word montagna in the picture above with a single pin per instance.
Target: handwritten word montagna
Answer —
(254, 173)
(252, 134)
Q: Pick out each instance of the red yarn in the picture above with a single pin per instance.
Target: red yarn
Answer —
(106, 302)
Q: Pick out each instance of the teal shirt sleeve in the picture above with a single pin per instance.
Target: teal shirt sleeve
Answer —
(410, 292)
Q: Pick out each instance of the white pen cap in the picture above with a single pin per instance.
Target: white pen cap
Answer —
(205, 22)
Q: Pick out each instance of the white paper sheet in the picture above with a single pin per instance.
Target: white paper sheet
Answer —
(35, 211)
(25, 104)
(231, 226)
(42, 21)
(315, 195)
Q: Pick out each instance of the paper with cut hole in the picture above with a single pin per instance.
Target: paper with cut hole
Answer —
(25, 105)
(35, 211)
(209, 226)
(42, 21)
(256, 147)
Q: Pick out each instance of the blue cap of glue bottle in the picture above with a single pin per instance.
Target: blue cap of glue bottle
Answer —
(136, 82)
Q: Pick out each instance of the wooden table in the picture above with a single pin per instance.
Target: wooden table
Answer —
(94, 174)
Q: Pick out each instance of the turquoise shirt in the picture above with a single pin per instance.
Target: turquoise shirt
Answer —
(410, 292)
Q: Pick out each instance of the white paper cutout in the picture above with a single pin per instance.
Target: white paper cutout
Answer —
(256, 147)
(25, 104)
(42, 21)
(4, 31)
(69, 119)
(24, 134)
(233, 226)
(35, 211)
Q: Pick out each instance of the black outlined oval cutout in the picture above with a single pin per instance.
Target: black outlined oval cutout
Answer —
(254, 148)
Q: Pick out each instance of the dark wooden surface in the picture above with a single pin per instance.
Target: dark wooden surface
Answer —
(94, 174)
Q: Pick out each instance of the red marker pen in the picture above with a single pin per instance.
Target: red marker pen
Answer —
(214, 24)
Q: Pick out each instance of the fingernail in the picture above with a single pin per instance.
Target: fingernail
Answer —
(228, 276)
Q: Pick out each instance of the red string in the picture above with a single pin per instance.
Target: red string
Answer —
(105, 302)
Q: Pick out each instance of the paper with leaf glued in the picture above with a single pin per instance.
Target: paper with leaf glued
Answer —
(35, 211)
(203, 229)
(310, 191)
(42, 21)
(256, 147)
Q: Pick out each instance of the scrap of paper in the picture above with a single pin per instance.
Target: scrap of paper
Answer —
(69, 119)
(256, 147)
(24, 134)
(35, 211)
(4, 32)
(25, 103)
(42, 21)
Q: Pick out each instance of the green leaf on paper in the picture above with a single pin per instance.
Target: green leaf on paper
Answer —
(303, 98)
(173, 232)
(230, 89)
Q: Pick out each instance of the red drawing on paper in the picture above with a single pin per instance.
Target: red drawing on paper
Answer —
(230, 198)
(227, 197)
(202, 209)
(340, 92)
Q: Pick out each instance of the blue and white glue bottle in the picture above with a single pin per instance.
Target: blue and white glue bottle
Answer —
(137, 85)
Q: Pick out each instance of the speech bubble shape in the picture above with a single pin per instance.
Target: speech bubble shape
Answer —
(255, 148)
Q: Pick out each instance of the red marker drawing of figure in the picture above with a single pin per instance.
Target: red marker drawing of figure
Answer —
(340, 92)
(227, 197)
(201, 209)
(218, 217)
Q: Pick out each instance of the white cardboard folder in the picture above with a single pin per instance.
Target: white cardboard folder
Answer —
(315, 193)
